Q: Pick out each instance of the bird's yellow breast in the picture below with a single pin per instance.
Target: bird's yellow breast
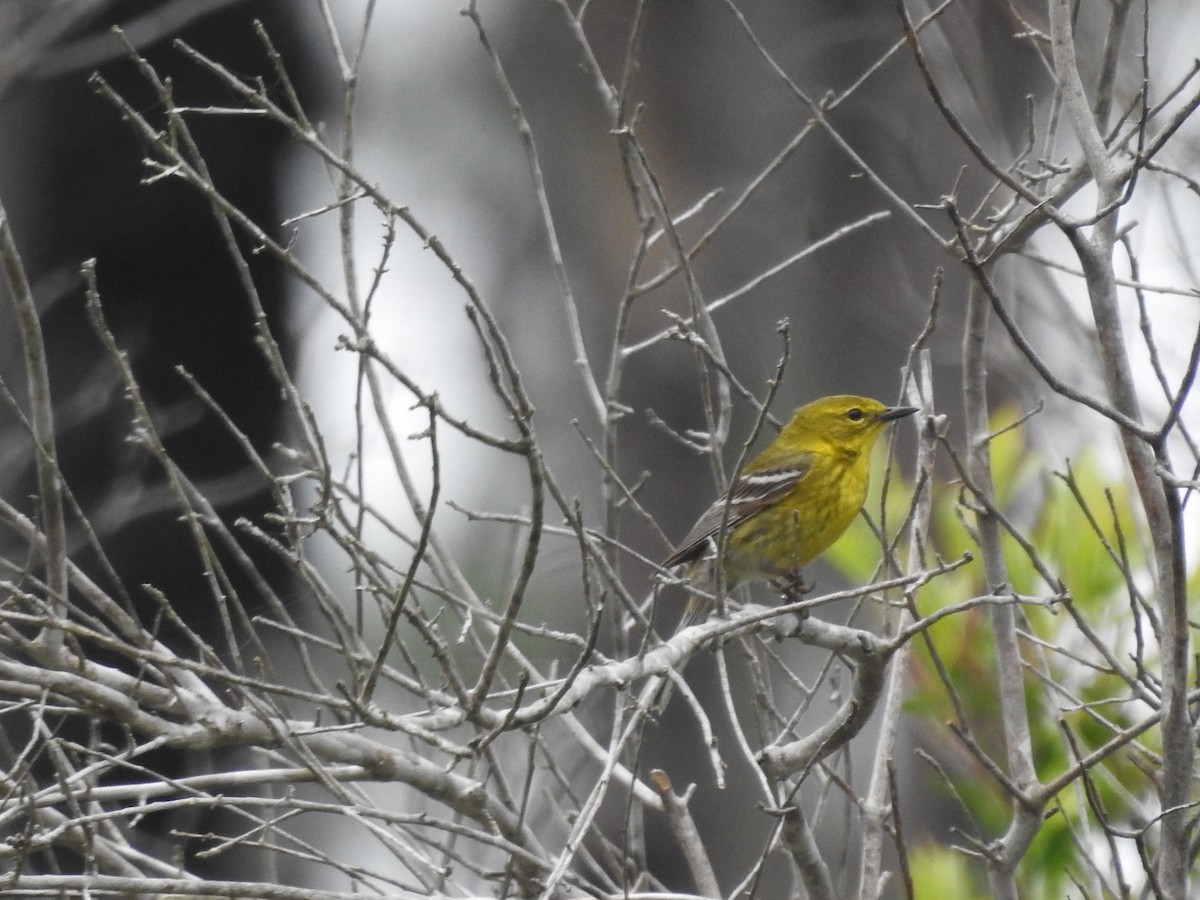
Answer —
(783, 538)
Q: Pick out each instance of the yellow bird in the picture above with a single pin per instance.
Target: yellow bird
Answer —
(793, 500)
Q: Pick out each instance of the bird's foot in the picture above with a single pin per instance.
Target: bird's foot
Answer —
(792, 586)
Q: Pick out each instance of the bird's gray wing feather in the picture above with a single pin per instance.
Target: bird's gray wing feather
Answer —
(751, 493)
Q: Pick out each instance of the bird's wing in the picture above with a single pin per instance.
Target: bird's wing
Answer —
(751, 493)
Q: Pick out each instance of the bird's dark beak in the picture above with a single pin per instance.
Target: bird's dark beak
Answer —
(896, 412)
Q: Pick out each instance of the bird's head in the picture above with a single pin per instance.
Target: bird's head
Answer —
(848, 423)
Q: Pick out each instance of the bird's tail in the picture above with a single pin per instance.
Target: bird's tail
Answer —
(696, 611)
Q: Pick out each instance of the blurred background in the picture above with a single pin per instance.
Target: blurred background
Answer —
(437, 134)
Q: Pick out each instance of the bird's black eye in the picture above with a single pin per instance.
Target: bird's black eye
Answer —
(854, 414)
